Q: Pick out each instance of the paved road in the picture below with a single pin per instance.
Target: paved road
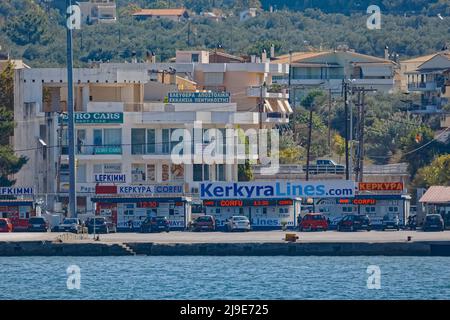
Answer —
(249, 237)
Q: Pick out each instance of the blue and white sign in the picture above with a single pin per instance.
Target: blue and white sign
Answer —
(198, 97)
(111, 178)
(151, 190)
(16, 191)
(285, 189)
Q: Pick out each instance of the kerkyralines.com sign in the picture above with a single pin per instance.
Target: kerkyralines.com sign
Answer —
(286, 189)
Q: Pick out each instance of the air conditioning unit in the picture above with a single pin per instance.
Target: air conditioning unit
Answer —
(194, 190)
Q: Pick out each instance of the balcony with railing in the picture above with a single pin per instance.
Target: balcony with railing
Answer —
(422, 86)
(266, 93)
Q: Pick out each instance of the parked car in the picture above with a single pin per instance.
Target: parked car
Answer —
(236, 223)
(100, 225)
(73, 225)
(313, 222)
(5, 225)
(433, 222)
(37, 224)
(353, 222)
(204, 223)
(155, 224)
(391, 222)
(323, 166)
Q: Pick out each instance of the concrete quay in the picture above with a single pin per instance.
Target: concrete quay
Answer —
(270, 243)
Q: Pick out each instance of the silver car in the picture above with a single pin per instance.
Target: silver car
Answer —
(238, 223)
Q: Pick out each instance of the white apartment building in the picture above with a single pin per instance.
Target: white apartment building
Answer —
(125, 114)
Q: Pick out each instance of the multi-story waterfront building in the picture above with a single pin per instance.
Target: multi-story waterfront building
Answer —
(432, 80)
(125, 117)
(328, 69)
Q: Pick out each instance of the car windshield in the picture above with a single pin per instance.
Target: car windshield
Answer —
(97, 220)
(433, 218)
(204, 219)
(70, 221)
(239, 218)
(161, 218)
(318, 217)
(36, 220)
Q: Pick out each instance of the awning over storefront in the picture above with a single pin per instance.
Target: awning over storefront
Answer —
(268, 105)
(288, 106)
(436, 194)
(9, 203)
(138, 199)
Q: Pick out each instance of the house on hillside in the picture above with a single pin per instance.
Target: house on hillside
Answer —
(98, 11)
(432, 80)
(170, 14)
(328, 69)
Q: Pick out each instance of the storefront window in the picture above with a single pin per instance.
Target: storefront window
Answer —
(264, 210)
(177, 171)
(137, 141)
(113, 137)
(81, 141)
(98, 139)
(81, 173)
(138, 172)
(128, 210)
(151, 172)
(98, 168)
(165, 172)
(165, 140)
(370, 209)
(201, 172)
(220, 172)
(151, 141)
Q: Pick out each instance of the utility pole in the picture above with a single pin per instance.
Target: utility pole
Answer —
(70, 119)
(329, 121)
(347, 172)
(361, 139)
(189, 34)
(308, 149)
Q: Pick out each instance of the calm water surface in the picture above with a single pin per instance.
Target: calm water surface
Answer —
(146, 277)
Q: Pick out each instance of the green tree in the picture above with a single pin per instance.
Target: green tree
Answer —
(9, 162)
(437, 173)
(338, 145)
(290, 152)
(419, 148)
(29, 27)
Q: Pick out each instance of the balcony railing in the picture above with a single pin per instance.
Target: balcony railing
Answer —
(419, 86)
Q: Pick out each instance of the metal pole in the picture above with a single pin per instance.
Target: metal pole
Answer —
(329, 120)
(347, 175)
(72, 212)
(361, 140)
(308, 150)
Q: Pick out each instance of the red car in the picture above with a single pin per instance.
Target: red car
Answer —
(204, 223)
(313, 222)
(5, 225)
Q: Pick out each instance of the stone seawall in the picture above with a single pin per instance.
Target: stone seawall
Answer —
(47, 248)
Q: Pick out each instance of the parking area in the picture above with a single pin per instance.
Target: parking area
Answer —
(238, 237)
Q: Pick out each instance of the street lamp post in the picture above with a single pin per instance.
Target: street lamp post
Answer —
(70, 111)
